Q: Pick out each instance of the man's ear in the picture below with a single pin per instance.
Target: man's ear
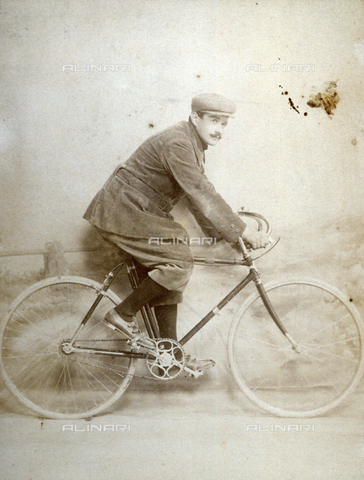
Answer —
(194, 118)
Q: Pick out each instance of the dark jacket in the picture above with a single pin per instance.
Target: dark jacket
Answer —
(137, 199)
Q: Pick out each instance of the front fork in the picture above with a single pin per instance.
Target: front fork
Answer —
(265, 298)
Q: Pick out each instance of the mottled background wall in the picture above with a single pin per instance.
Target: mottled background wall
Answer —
(62, 132)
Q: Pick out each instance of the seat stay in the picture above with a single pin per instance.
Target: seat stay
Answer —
(100, 295)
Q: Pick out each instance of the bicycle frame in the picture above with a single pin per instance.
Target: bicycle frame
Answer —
(44, 327)
(148, 315)
(254, 276)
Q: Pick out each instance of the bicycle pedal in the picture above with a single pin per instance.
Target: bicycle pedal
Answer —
(193, 373)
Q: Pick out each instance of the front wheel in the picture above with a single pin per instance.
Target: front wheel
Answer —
(273, 375)
(37, 368)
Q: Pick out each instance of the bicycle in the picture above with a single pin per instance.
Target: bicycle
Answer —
(300, 358)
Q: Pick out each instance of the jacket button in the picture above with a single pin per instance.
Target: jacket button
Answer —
(237, 230)
(232, 225)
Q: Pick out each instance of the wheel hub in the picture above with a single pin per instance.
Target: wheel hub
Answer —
(66, 348)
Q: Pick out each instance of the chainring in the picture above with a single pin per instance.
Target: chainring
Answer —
(167, 360)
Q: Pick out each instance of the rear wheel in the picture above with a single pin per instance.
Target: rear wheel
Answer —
(37, 369)
(329, 331)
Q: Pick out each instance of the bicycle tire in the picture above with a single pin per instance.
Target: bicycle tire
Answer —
(272, 374)
(34, 367)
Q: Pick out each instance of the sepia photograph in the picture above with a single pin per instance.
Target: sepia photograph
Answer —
(181, 241)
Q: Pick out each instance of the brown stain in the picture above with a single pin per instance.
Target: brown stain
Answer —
(41, 425)
(326, 100)
(290, 102)
(151, 125)
(292, 105)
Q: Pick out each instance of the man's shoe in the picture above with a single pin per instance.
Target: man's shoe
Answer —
(116, 322)
(129, 329)
(198, 365)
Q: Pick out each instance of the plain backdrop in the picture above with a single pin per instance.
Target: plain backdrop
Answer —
(65, 124)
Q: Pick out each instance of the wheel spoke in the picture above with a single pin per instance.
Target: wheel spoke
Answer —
(40, 373)
(331, 325)
(304, 383)
(259, 340)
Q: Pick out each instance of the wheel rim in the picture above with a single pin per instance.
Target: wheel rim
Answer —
(276, 377)
(35, 366)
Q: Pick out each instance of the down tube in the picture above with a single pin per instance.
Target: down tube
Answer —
(216, 310)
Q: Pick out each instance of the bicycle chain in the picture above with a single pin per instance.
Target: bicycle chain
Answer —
(103, 367)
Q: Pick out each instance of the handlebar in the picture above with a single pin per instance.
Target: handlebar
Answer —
(258, 218)
(263, 223)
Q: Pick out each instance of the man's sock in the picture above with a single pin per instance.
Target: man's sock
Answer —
(167, 320)
(147, 291)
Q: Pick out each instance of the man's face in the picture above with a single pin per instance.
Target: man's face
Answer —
(210, 127)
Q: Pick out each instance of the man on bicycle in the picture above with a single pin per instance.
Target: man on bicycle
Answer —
(133, 208)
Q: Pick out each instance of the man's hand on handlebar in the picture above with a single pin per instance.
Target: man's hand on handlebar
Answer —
(254, 238)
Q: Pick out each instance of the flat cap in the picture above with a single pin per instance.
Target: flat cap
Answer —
(213, 103)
